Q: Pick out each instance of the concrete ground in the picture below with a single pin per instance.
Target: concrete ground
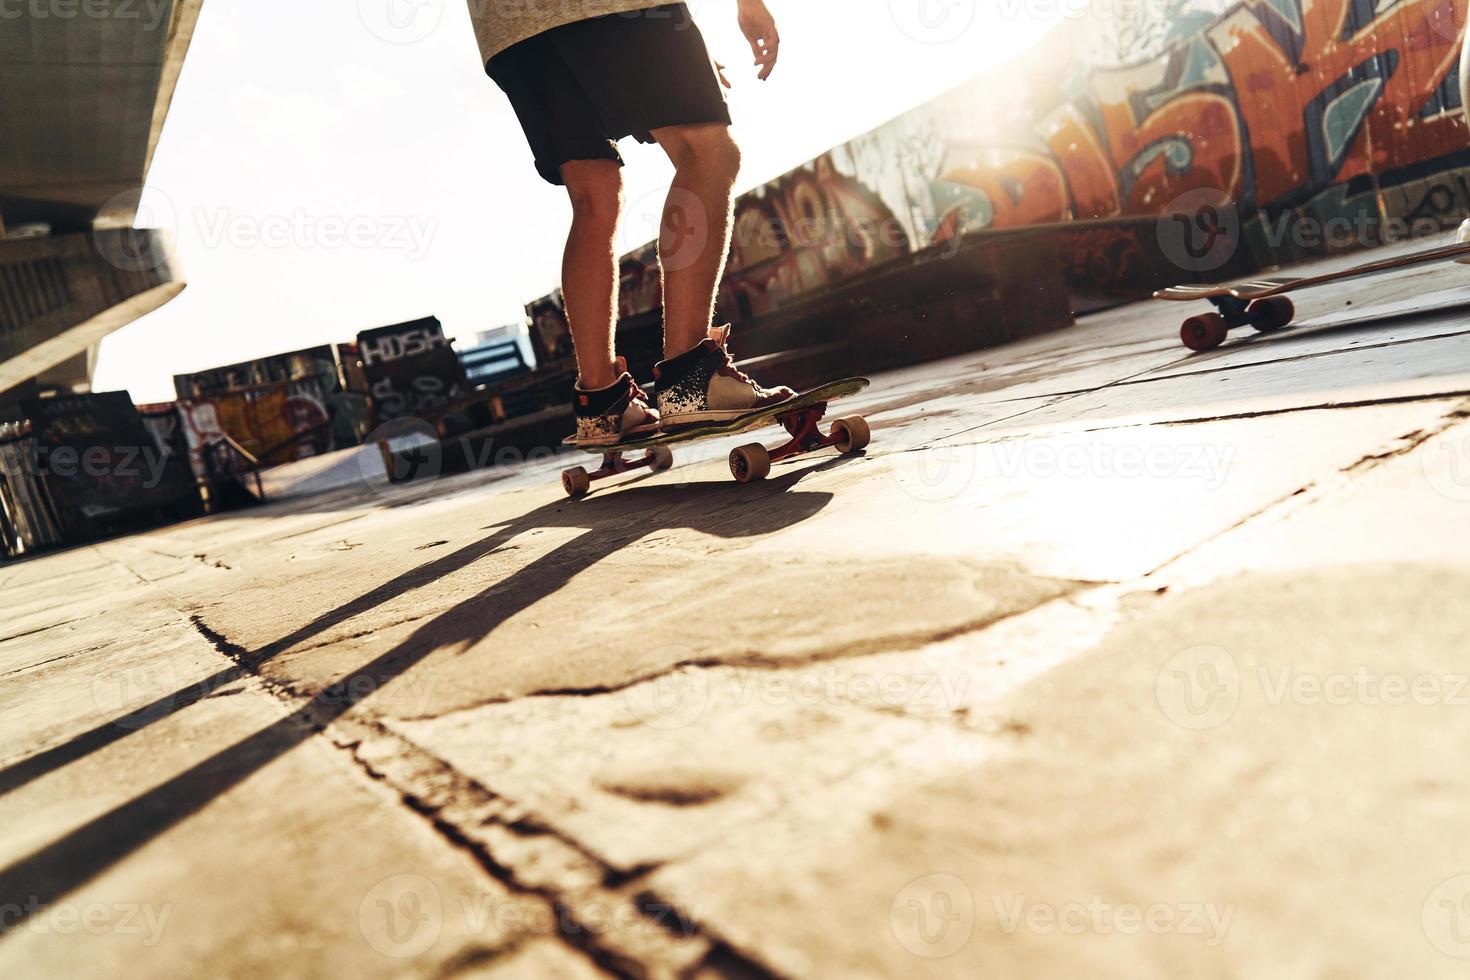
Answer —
(1105, 659)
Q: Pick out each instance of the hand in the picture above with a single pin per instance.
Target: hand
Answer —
(724, 79)
(759, 28)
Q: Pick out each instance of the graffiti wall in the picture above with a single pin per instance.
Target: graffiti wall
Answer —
(1304, 125)
(1322, 109)
(275, 423)
(29, 516)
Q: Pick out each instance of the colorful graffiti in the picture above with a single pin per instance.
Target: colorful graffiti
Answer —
(275, 423)
(1329, 109)
(1269, 102)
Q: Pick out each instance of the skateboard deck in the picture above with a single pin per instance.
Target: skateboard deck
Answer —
(799, 416)
(1261, 303)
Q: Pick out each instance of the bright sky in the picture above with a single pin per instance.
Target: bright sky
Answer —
(327, 168)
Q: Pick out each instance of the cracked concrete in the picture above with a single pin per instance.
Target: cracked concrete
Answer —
(1103, 659)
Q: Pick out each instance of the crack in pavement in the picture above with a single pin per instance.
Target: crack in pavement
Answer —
(1316, 491)
(43, 629)
(754, 661)
(430, 778)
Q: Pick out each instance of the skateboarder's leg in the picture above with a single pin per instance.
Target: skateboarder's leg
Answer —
(694, 238)
(1464, 233)
(590, 266)
(697, 380)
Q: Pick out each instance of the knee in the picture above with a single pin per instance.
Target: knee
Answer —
(713, 150)
(596, 190)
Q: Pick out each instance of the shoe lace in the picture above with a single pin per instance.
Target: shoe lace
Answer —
(637, 393)
(730, 370)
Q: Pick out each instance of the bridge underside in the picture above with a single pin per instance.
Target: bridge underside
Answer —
(86, 96)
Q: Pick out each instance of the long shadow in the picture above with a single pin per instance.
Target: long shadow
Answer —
(614, 521)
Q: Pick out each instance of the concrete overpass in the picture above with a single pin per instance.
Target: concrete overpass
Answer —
(88, 85)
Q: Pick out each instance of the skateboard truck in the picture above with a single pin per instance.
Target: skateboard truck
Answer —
(1206, 331)
(577, 480)
(748, 463)
(1259, 302)
(849, 435)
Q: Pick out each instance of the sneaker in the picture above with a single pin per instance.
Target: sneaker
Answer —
(614, 414)
(703, 385)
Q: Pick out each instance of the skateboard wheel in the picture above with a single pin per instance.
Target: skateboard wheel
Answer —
(660, 458)
(852, 434)
(1271, 313)
(750, 463)
(576, 481)
(1204, 331)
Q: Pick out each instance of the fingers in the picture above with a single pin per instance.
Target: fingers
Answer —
(767, 48)
(724, 79)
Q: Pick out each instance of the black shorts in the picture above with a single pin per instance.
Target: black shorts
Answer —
(579, 88)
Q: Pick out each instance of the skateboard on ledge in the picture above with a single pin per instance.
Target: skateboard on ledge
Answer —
(799, 417)
(1262, 303)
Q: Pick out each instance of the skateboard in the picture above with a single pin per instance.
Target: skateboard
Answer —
(799, 417)
(1262, 303)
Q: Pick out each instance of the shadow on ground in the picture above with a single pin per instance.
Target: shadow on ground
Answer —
(614, 521)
